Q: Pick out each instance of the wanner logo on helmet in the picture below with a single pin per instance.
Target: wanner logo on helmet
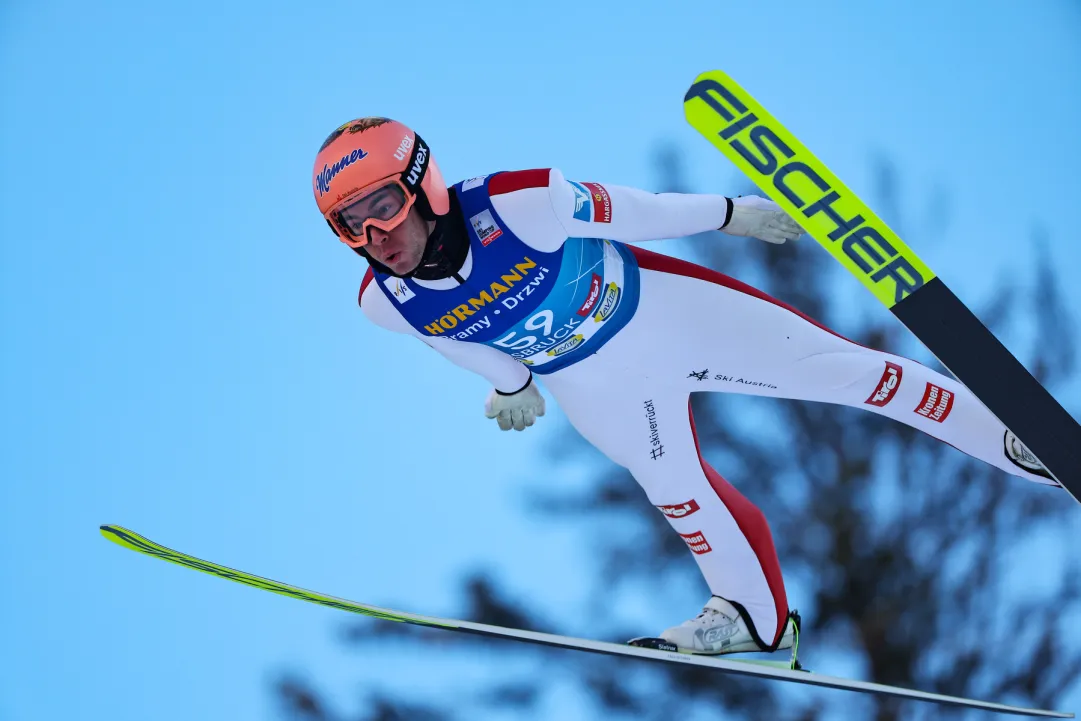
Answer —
(328, 173)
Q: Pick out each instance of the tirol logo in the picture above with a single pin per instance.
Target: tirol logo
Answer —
(594, 294)
(403, 148)
(887, 386)
(328, 173)
(936, 404)
(611, 300)
(680, 510)
(569, 344)
(696, 542)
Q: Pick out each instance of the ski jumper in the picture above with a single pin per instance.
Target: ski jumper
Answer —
(620, 336)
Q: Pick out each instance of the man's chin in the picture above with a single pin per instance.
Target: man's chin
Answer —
(403, 267)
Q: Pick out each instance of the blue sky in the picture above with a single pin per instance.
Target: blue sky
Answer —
(183, 353)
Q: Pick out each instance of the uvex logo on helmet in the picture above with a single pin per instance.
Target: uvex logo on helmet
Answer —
(403, 148)
(327, 174)
(416, 168)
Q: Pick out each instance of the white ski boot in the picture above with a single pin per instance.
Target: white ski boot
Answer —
(1022, 457)
(720, 628)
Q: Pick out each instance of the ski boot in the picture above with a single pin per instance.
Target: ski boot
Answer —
(722, 628)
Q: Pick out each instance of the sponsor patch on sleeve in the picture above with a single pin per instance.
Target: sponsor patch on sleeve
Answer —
(591, 202)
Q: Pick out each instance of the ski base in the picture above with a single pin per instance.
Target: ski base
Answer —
(135, 542)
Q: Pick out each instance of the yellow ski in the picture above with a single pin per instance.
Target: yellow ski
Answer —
(135, 542)
(789, 174)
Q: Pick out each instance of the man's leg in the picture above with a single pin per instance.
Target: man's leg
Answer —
(651, 433)
(740, 340)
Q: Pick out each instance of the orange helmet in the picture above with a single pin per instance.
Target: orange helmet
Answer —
(369, 173)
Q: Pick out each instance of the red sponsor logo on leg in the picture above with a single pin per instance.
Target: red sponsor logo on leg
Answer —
(936, 404)
(594, 294)
(887, 386)
(680, 510)
(602, 203)
(696, 542)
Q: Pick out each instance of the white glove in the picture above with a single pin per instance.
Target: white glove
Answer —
(761, 218)
(515, 410)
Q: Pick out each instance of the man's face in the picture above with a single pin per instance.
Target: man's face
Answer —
(401, 249)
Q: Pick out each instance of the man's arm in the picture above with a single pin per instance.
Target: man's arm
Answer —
(503, 372)
(513, 402)
(544, 209)
(632, 215)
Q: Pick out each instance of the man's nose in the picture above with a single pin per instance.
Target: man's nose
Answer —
(379, 236)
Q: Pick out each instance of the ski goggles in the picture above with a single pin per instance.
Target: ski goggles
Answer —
(382, 205)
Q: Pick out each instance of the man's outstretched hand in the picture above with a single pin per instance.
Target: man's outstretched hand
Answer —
(756, 217)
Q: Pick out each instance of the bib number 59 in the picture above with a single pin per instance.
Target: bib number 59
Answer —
(541, 321)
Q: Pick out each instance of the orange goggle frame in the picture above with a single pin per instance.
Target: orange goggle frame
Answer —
(381, 205)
